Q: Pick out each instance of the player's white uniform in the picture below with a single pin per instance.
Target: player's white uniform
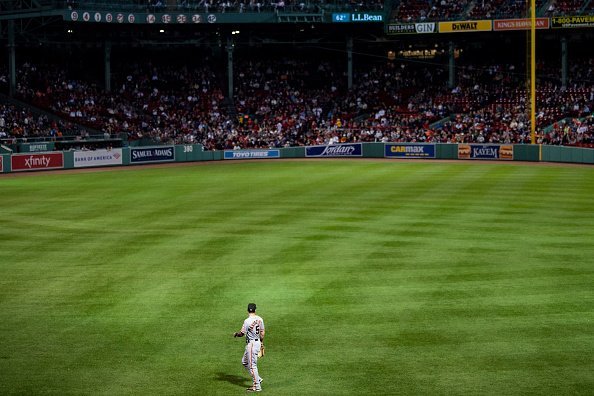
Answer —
(253, 326)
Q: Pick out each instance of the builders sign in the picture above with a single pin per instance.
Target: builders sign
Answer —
(28, 162)
(411, 28)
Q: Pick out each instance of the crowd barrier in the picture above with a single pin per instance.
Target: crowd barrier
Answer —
(140, 155)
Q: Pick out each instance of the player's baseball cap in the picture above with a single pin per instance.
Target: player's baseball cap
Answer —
(251, 307)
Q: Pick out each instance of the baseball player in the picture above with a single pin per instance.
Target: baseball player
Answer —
(253, 329)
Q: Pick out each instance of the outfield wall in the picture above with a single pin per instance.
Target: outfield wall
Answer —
(141, 155)
(567, 154)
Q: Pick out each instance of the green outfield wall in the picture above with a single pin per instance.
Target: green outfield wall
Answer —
(526, 152)
(293, 152)
(447, 151)
(567, 154)
(140, 155)
(373, 150)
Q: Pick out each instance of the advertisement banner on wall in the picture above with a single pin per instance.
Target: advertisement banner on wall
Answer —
(145, 155)
(519, 24)
(343, 17)
(465, 26)
(335, 150)
(28, 162)
(411, 28)
(486, 151)
(251, 154)
(1, 163)
(36, 147)
(572, 21)
(393, 150)
(84, 159)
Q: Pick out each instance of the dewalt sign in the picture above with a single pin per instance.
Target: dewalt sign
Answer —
(465, 26)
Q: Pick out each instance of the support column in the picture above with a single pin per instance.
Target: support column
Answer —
(350, 62)
(107, 63)
(452, 66)
(230, 67)
(564, 56)
(11, 59)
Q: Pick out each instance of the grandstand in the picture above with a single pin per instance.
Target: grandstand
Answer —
(290, 83)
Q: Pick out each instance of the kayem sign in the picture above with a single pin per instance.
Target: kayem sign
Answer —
(520, 24)
(465, 26)
(29, 162)
(97, 158)
(486, 151)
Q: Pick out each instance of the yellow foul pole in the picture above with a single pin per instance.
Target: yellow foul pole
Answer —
(533, 71)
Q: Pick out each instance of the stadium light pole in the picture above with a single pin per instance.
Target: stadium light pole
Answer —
(11, 59)
(107, 65)
(230, 68)
(564, 62)
(350, 62)
(451, 65)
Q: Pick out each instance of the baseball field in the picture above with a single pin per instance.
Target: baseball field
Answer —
(373, 277)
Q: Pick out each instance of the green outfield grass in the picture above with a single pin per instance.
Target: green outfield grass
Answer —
(372, 277)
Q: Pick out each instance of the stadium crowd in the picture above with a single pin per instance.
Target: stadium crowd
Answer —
(223, 6)
(408, 11)
(289, 101)
(160, 104)
(439, 10)
(17, 122)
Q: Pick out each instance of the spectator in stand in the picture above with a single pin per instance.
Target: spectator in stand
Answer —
(16, 122)
(565, 7)
(292, 101)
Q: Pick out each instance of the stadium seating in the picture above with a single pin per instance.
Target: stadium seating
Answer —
(19, 123)
(436, 10)
(288, 100)
(565, 7)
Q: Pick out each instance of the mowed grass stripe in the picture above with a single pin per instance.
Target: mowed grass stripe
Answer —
(381, 278)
